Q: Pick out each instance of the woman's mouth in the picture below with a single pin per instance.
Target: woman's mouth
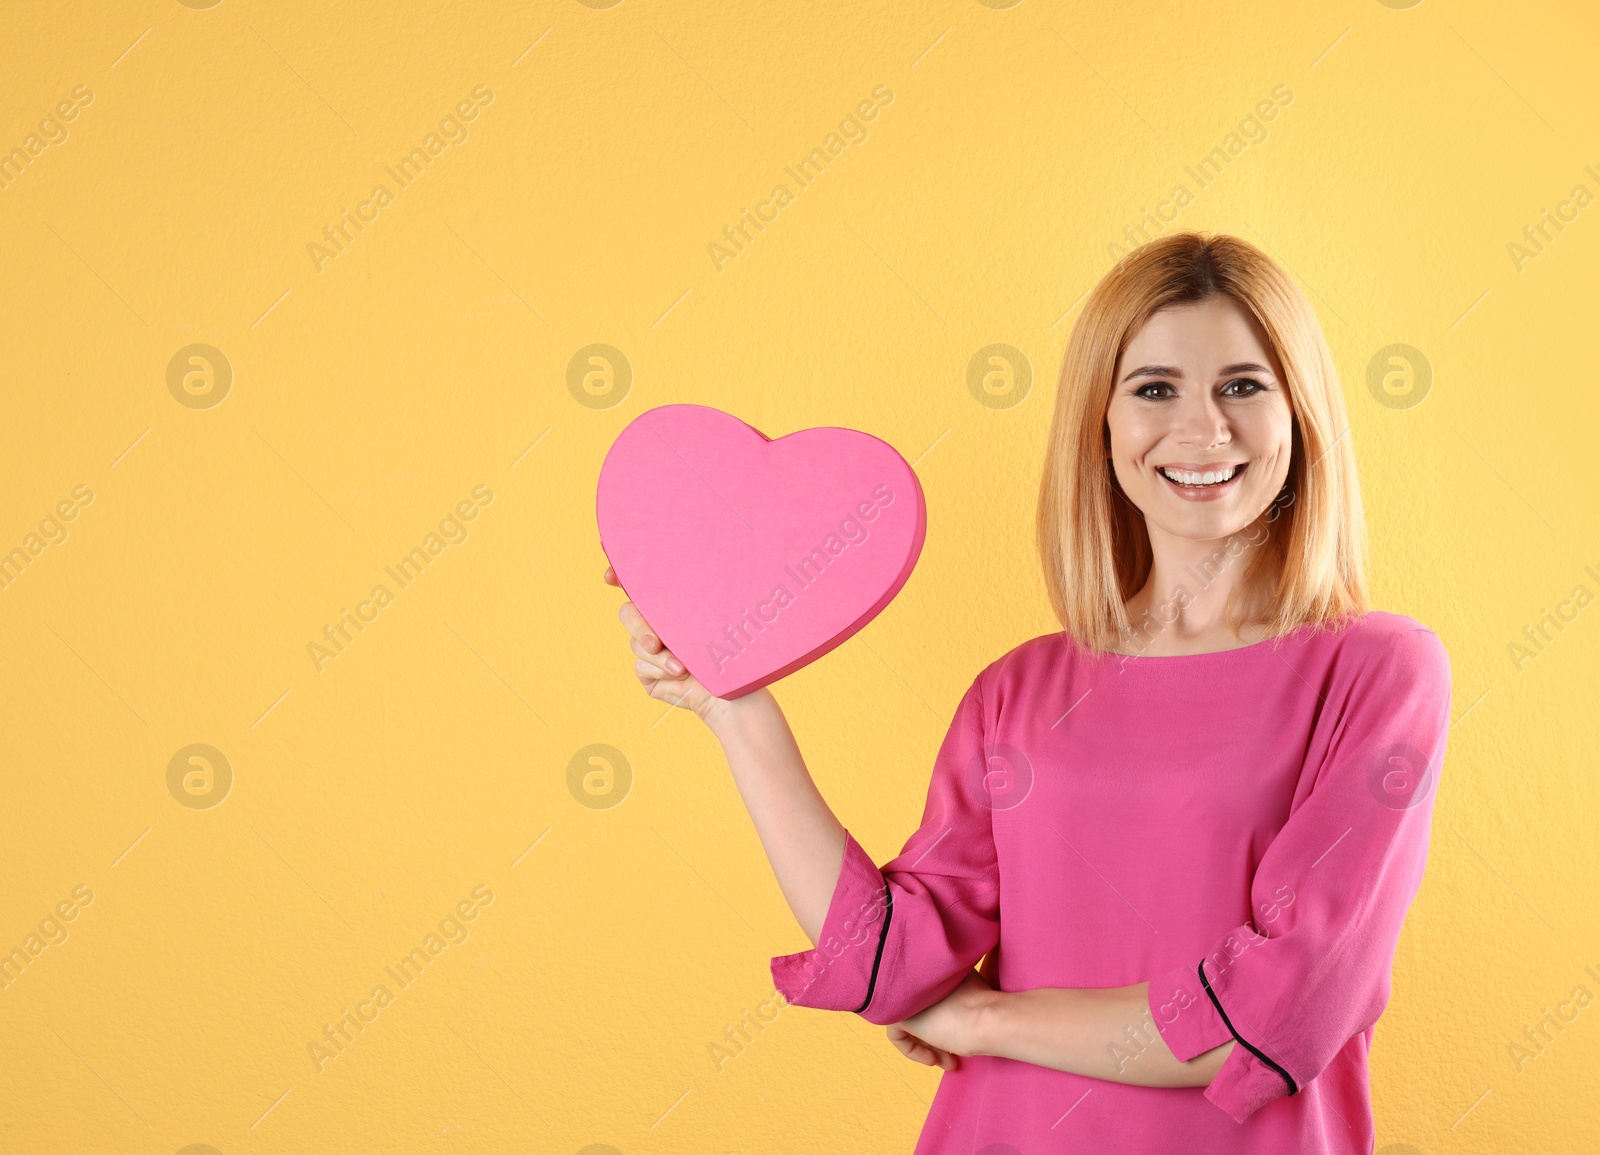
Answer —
(1196, 483)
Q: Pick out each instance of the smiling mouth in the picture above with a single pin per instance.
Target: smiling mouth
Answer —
(1219, 478)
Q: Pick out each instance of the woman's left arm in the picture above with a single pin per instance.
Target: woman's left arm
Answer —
(1310, 970)
(1102, 1033)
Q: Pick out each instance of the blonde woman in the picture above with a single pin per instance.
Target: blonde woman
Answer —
(1182, 833)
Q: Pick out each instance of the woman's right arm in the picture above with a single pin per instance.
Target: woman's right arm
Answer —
(803, 839)
(887, 941)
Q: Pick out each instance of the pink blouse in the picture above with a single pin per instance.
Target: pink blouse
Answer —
(1244, 829)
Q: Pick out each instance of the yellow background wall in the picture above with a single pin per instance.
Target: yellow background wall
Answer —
(217, 534)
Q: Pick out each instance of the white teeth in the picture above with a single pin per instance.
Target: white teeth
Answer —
(1210, 477)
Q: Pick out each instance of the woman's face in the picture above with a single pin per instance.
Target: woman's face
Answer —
(1198, 392)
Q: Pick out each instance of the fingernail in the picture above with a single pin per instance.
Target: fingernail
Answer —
(675, 666)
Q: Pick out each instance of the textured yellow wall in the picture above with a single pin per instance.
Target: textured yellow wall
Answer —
(220, 907)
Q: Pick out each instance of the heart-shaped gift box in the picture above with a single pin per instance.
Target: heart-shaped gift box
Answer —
(751, 556)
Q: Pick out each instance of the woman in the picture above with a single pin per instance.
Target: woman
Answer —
(1203, 806)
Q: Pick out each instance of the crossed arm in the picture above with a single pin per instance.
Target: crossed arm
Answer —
(1103, 1033)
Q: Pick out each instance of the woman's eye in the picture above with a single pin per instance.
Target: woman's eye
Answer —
(1140, 392)
(1255, 387)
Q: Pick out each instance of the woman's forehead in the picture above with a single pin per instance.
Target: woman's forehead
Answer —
(1199, 337)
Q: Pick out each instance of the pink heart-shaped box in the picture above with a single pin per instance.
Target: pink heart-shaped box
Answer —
(748, 556)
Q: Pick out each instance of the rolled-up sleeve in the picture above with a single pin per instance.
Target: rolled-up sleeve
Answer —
(1310, 970)
(898, 939)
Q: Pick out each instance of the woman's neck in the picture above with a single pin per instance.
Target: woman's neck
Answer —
(1183, 607)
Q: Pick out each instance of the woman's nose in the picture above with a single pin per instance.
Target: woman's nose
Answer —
(1201, 423)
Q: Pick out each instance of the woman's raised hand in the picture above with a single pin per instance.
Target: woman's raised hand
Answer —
(660, 673)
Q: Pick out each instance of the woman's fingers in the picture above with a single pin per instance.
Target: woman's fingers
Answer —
(915, 1049)
(936, 1057)
(915, 1052)
(635, 624)
(649, 674)
(632, 620)
(661, 659)
(645, 643)
(910, 1046)
(658, 668)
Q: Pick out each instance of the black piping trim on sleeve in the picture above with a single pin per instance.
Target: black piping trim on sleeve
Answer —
(883, 935)
(1237, 1036)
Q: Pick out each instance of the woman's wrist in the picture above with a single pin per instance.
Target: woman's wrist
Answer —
(728, 718)
(990, 1019)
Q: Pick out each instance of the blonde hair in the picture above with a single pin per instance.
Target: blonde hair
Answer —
(1092, 540)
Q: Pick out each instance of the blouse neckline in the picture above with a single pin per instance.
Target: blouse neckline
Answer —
(1168, 659)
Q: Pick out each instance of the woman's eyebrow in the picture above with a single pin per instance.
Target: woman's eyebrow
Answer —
(1244, 367)
(1174, 371)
